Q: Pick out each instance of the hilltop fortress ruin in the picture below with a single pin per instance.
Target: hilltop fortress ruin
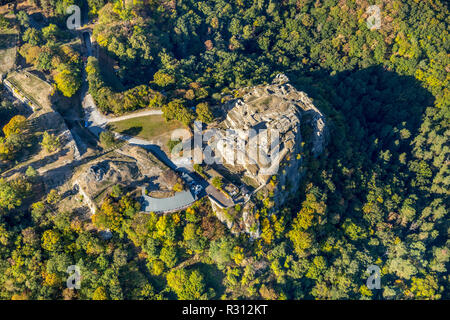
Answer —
(271, 167)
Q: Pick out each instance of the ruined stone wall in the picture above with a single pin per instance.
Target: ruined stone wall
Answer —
(277, 106)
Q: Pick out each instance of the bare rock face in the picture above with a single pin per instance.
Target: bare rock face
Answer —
(268, 133)
(106, 173)
(263, 129)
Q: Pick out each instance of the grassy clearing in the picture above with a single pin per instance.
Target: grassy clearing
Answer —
(153, 127)
(107, 70)
(8, 49)
(32, 87)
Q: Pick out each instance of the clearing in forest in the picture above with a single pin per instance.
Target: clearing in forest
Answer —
(32, 87)
(151, 128)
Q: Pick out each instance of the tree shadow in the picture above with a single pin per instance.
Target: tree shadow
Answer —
(7, 41)
(2, 2)
(133, 131)
(213, 277)
(373, 116)
(374, 103)
(150, 183)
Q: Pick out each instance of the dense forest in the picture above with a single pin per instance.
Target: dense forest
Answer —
(379, 195)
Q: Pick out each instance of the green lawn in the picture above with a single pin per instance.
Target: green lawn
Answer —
(153, 127)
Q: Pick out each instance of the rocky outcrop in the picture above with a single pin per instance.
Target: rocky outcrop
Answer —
(264, 127)
(268, 133)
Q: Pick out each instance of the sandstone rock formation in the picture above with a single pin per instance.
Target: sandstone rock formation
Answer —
(263, 127)
(262, 136)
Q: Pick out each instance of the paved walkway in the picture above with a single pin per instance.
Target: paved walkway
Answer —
(180, 201)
